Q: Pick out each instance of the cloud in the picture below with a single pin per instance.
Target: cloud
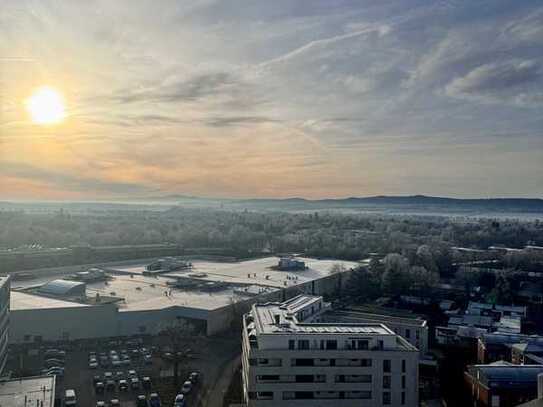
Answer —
(503, 81)
(237, 121)
(65, 181)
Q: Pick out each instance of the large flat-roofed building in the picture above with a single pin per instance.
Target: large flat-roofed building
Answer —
(290, 360)
(210, 295)
(4, 320)
(28, 392)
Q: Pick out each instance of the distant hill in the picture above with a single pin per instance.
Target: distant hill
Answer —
(413, 202)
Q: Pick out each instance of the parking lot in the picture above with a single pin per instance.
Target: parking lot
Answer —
(127, 369)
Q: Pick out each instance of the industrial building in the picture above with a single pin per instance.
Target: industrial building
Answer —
(289, 359)
(210, 296)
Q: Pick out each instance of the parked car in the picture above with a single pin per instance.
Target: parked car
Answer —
(123, 385)
(179, 401)
(119, 375)
(93, 365)
(96, 379)
(54, 353)
(110, 385)
(70, 398)
(126, 362)
(141, 401)
(108, 375)
(99, 388)
(132, 373)
(186, 388)
(135, 383)
(146, 382)
(53, 362)
(154, 400)
(100, 404)
(148, 360)
(114, 403)
(54, 371)
(194, 377)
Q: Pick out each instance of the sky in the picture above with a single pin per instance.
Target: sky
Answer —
(320, 98)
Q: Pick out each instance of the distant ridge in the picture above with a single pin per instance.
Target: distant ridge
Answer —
(412, 201)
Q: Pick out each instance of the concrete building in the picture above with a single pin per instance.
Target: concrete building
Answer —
(129, 302)
(538, 402)
(290, 360)
(28, 392)
(414, 329)
(501, 384)
(492, 347)
(4, 320)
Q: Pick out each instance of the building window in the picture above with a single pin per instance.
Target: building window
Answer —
(26, 338)
(386, 382)
(297, 395)
(252, 362)
(302, 362)
(303, 344)
(386, 366)
(403, 365)
(331, 345)
(403, 382)
(366, 395)
(267, 378)
(365, 362)
(403, 397)
(408, 333)
(291, 344)
(386, 398)
(363, 378)
(264, 395)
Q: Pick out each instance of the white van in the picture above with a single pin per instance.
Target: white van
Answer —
(69, 398)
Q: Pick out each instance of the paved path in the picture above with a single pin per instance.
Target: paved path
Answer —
(214, 396)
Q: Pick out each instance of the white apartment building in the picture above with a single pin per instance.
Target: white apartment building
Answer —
(288, 360)
(4, 320)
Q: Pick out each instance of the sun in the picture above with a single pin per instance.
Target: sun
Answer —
(46, 106)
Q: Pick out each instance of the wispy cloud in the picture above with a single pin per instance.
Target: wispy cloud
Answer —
(316, 98)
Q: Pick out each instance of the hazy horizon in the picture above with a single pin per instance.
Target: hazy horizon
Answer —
(310, 99)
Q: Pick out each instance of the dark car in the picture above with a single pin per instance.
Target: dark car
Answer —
(142, 401)
(110, 385)
(96, 379)
(99, 387)
(123, 385)
(154, 400)
(146, 382)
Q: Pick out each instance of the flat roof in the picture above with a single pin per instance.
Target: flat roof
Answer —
(144, 292)
(300, 302)
(258, 271)
(25, 301)
(264, 315)
(348, 314)
(28, 391)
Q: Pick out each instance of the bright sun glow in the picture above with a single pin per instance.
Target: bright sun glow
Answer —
(46, 106)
